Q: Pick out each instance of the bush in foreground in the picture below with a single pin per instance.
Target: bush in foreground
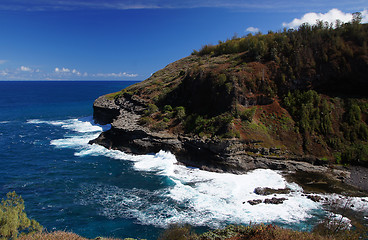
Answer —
(13, 220)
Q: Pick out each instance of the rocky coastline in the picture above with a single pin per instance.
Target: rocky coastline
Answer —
(225, 155)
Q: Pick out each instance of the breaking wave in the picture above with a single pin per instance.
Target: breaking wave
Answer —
(189, 195)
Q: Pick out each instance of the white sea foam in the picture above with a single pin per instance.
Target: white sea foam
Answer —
(82, 125)
(194, 196)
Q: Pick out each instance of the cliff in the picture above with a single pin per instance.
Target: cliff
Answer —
(292, 100)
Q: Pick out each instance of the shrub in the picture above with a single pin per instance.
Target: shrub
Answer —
(167, 108)
(151, 108)
(356, 153)
(13, 219)
(247, 114)
(145, 121)
(180, 112)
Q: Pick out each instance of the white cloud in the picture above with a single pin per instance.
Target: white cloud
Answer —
(2, 61)
(330, 17)
(365, 16)
(252, 29)
(26, 69)
(62, 70)
(74, 71)
(120, 74)
(67, 71)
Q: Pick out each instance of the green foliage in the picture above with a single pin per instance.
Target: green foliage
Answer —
(305, 52)
(356, 153)
(114, 95)
(247, 114)
(151, 108)
(13, 219)
(215, 126)
(353, 113)
(145, 121)
(180, 112)
(354, 128)
(167, 108)
(309, 111)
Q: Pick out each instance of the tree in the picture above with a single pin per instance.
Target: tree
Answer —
(357, 17)
(13, 219)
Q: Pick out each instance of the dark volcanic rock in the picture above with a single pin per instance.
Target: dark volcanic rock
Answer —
(314, 198)
(255, 201)
(268, 191)
(274, 200)
(105, 110)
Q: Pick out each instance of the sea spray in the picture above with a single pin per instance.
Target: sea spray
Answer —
(188, 195)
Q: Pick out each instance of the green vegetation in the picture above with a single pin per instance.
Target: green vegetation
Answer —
(13, 220)
(301, 53)
(303, 90)
(180, 113)
(215, 126)
(151, 109)
(312, 113)
(247, 114)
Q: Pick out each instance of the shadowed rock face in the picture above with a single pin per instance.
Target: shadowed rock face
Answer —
(105, 111)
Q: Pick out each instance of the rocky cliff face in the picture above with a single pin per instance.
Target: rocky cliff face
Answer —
(286, 101)
(230, 155)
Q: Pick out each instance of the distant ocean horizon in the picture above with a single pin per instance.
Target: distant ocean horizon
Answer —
(67, 184)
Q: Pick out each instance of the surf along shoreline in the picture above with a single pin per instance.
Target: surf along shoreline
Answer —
(217, 155)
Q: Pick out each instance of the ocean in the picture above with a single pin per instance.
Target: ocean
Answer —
(70, 185)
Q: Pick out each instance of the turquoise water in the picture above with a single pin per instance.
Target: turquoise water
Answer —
(70, 185)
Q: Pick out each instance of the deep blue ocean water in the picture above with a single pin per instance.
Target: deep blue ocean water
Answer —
(70, 185)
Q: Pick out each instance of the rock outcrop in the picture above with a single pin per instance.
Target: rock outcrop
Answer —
(226, 155)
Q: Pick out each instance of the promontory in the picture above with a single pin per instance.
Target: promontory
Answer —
(288, 100)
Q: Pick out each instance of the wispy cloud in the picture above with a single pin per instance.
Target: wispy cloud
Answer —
(252, 29)
(2, 61)
(59, 73)
(330, 17)
(120, 74)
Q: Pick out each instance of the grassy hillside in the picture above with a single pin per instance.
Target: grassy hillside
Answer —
(296, 92)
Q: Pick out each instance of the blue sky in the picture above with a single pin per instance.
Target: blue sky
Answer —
(130, 39)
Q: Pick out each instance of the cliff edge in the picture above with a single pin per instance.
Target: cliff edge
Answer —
(288, 101)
